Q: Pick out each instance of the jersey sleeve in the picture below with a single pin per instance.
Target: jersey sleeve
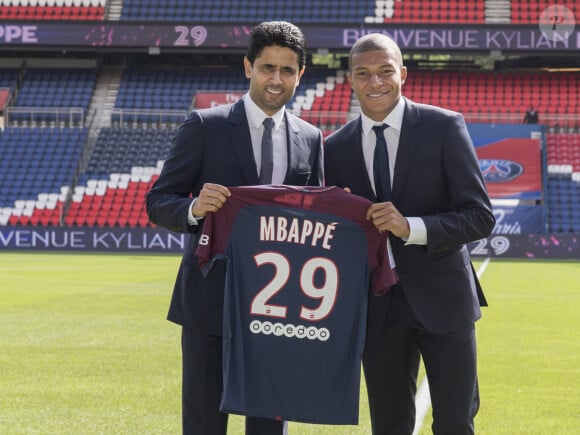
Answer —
(215, 233)
(207, 250)
(354, 207)
(384, 276)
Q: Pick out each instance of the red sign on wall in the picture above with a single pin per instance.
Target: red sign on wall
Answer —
(512, 168)
(203, 99)
(4, 97)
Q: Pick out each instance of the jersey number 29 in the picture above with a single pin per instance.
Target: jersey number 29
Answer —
(326, 293)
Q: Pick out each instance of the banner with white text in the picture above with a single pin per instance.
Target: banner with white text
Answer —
(158, 240)
(199, 35)
(91, 239)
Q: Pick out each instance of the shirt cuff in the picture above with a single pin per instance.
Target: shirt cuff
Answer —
(190, 219)
(417, 233)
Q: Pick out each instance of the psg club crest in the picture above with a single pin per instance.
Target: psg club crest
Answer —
(499, 171)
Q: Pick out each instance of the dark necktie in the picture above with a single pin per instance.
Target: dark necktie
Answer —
(381, 169)
(267, 153)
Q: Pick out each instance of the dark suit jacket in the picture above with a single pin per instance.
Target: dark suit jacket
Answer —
(437, 178)
(214, 145)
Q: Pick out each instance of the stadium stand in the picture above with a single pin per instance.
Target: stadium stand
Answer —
(304, 11)
(36, 167)
(563, 205)
(326, 11)
(123, 165)
(53, 10)
(125, 160)
(68, 159)
(425, 11)
(488, 93)
(9, 77)
(146, 94)
(332, 11)
(118, 201)
(526, 12)
(51, 95)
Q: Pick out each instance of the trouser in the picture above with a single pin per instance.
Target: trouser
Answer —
(202, 388)
(391, 363)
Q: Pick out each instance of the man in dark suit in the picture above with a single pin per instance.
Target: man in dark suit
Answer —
(531, 116)
(213, 149)
(432, 200)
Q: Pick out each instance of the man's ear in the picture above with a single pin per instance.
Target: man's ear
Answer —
(247, 67)
(301, 73)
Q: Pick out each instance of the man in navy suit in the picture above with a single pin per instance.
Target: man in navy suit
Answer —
(432, 200)
(213, 149)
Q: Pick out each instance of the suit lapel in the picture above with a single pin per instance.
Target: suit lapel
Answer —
(296, 148)
(348, 160)
(294, 145)
(357, 159)
(240, 137)
(408, 143)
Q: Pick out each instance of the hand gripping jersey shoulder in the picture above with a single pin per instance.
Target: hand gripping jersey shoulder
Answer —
(299, 267)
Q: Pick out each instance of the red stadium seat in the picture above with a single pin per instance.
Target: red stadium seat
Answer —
(101, 221)
(132, 221)
(24, 220)
(144, 221)
(111, 221)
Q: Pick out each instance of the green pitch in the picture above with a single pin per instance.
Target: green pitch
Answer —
(85, 348)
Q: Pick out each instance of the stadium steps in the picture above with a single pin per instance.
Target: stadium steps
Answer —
(106, 91)
(113, 11)
(497, 12)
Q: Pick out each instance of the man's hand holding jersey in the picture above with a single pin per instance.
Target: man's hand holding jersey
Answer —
(211, 198)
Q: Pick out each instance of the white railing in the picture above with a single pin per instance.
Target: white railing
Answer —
(73, 116)
(138, 116)
(566, 120)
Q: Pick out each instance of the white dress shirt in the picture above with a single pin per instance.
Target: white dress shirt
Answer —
(256, 117)
(418, 231)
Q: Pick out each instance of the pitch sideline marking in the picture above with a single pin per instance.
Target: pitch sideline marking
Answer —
(423, 398)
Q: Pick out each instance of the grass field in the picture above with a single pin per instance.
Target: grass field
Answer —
(85, 348)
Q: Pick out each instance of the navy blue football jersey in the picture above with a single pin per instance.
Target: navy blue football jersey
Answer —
(299, 264)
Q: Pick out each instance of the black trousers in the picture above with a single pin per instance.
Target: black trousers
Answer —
(391, 363)
(202, 388)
